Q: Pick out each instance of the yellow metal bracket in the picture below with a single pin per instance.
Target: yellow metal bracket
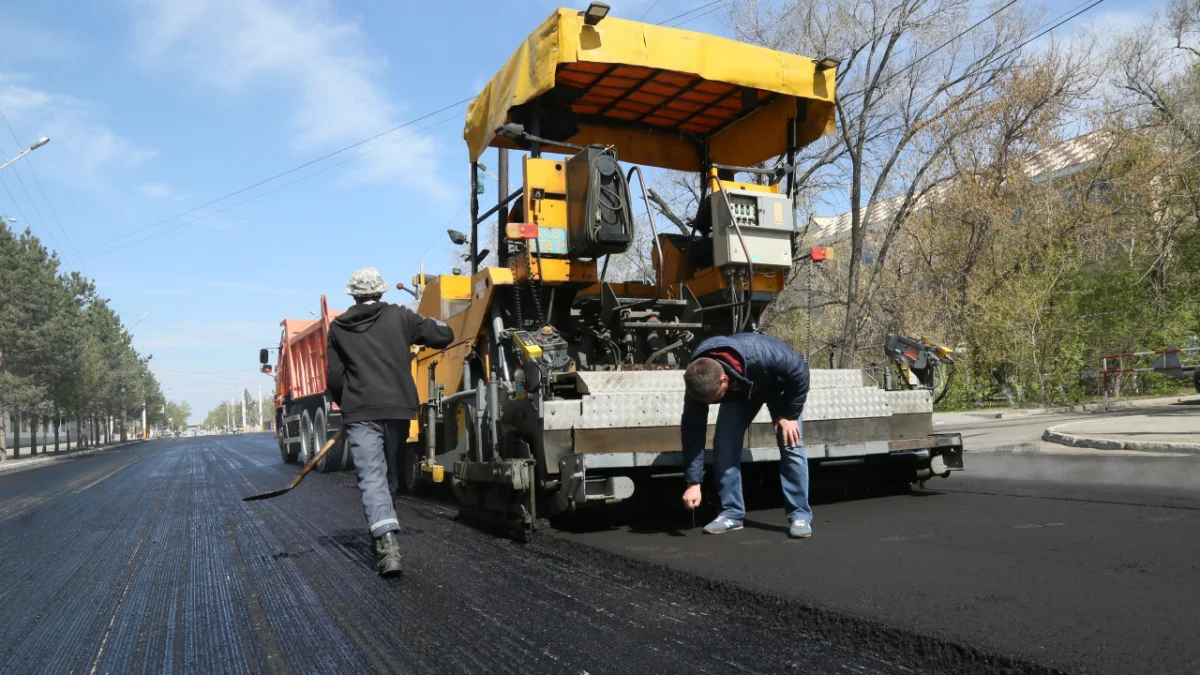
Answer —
(437, 472)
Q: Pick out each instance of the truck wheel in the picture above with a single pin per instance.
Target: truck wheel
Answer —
(288, 458)
(414, 483)
(1196, 379)
(333, 459)
(306, 441)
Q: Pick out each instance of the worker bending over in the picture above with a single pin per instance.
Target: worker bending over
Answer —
(741, 373)
(370, 378)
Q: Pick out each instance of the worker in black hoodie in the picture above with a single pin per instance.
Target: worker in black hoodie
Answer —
(370, 378)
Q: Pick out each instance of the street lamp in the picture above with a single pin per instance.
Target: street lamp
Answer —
(37, 144)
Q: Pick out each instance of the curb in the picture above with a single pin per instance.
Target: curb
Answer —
(12, 465)
(1053, 435)
(1019, 413)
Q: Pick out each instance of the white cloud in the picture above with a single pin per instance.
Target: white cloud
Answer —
(156, 190)
(82, 149)
(317, 59)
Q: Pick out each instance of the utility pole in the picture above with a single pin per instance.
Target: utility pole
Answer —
(260, 427)
(145, 429)
(243, 397)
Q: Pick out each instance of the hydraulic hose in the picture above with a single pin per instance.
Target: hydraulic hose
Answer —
(658, 282)
(674, 345)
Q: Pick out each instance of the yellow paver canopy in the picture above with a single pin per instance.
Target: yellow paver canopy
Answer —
(658, 94)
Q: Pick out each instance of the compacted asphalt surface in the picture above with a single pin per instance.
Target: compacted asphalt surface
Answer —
(144, 559)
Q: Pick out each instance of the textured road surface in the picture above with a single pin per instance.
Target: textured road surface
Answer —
(1081, 564)
(144, 559)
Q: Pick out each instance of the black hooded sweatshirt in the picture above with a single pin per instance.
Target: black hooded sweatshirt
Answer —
(369, 372)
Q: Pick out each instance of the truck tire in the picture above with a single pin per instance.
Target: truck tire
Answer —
(288, 457)
(1196, 379)
(333, 459)
(306, 439)
(413, 483)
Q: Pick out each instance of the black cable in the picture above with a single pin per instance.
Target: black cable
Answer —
(610, 198)
(289, 171)
(654, 232)
(264, 193)
(690, 11)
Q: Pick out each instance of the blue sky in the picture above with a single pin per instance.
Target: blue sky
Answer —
(156, 107)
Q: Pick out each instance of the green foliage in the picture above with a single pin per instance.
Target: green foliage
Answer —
(229, 413)
(62, 348)
(177, 414)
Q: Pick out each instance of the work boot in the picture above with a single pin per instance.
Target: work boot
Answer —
(387, 555)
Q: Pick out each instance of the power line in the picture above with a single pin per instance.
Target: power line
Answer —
(36, 210)
(14, 202)
(29, 163)
(267, 192)
(701, 16)
(690, 11)
(289, 171)
(648, 9)
(942, 46)
(310, 163)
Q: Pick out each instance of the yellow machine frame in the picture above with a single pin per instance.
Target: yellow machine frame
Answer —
(659, 96)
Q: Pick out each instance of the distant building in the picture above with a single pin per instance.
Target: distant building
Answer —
(1056, 161)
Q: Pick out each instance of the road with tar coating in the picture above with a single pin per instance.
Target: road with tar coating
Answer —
(144, 559)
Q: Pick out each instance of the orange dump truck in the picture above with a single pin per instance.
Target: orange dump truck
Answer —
(305, 416)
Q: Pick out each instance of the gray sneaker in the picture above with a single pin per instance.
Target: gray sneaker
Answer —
(722, 525)
(800, 529)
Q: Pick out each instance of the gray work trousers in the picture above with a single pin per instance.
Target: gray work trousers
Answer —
(366, 440)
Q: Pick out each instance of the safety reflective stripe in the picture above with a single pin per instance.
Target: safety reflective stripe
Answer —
(385, 521)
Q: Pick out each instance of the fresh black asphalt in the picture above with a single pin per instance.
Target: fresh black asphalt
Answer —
(144, 559)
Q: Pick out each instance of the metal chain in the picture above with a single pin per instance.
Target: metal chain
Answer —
(512, 266)
(536, 283)
(808, 313)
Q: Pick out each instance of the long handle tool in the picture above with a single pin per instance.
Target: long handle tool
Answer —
(303, 472)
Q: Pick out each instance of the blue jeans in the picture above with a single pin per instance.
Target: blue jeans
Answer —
(733, 419)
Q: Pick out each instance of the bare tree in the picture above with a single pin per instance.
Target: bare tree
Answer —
(1151, 65)
(915, 76)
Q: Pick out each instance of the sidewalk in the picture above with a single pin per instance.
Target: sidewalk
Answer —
(1175, 429)
(26, 462)
(967, 416)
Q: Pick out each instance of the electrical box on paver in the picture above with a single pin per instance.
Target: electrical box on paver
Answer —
(766, 222)
(599, 212)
